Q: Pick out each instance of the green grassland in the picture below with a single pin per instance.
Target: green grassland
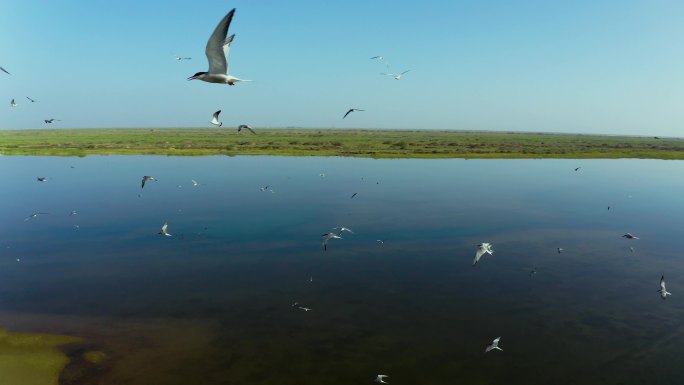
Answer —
(31, 359)
(333, 142)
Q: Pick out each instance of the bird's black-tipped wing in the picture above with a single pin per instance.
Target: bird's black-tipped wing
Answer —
(214, 50)
(348, 112)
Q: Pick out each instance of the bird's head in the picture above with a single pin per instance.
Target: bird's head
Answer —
(198, 75)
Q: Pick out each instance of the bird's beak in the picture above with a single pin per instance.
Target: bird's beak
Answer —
(192, 78)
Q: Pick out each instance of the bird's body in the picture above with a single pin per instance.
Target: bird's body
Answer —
(145, 179)
(164, 231)
(380, 379)
(72, 213)
(482, 248)
(328, 236)
(41, 179)
(380, 241)
(629, 236)
(377, 57)
(246, 127)
(48, 121)
(663, 290)
(396, 76)
(215, 119)
(217, 50)
(493, 345)
(349, 111)
(13, 103)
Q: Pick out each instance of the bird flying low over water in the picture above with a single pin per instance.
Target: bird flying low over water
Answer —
(245, 127)
(4, 70)
(328, 236)
(482, 248)
(629, 236)
(396, 76)
(350, 111)
(145, 179)
(663, 291)
(48, 121)
(217, 50)
(163, 230)
(215, 119)
(493, 345)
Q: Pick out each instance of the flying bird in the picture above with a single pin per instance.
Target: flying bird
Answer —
(179, 58)
(34, 215)
(396, 76)
(217, 51)
(663, 291)
(577, 169)
(380, 241)
(72, 213)
(629, 236)
(13, 103)
(328, 236)
(482, 248)
(245, 127)
(267, 188)
(353, 195)
(349, 111)
(163, 230)
(342, 228)
(304, 308)
(145, 179)
(42, 179)
(380, 379)
(631, 249)
(493, 345)
(215, 119)
(48, 121)
(560, 250)
(377, 57)
(194, 182)
(4, 70)
(31, 100)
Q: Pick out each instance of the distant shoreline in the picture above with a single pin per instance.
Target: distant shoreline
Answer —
(335, 142)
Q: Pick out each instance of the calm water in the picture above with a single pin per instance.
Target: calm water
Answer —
(212, 304)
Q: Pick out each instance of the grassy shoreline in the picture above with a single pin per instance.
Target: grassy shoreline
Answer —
(334, 142)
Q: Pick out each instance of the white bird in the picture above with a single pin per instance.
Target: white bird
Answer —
(493, 345)
(380, 241)
(377, 57)
(215, 119)
(482, 248)
(34, 215)
(396, 76)
(342, 228)
(4, 70)
(267, 188)
(163, 230)
(328, 236)
(194, 182)
(663, 291)
(246, 127)
(217, 51)
(72, 213)
(560, 250)
(630, 236)
(13, 103)
(48, 121)
(380, 379)
(631, 249)
(304, 308)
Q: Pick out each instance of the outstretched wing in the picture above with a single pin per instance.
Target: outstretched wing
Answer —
(226, 48)
(215, 46)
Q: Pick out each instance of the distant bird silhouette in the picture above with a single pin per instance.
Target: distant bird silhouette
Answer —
(31, 100)
(350, 111)
(630, 236)
(353, 195)
(145, 179)
(13, 103)
(4, 70)
(48, 121)
(245, 127)
(42, 179)
(577, 169)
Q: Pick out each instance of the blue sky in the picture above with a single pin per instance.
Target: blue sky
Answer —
(613, 67)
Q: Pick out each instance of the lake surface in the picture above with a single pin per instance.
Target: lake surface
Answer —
(212, 304)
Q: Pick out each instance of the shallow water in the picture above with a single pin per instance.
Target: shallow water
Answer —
(212, 303)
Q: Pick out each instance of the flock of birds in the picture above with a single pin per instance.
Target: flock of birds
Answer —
(217, 50)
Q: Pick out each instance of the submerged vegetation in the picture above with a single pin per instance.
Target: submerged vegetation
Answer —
(333, 142)
(31, 359)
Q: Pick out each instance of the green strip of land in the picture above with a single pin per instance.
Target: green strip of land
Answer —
(332, 142)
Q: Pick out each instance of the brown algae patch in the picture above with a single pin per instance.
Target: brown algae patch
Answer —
(32, 359)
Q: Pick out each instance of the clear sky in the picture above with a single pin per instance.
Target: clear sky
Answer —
(594, 66)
